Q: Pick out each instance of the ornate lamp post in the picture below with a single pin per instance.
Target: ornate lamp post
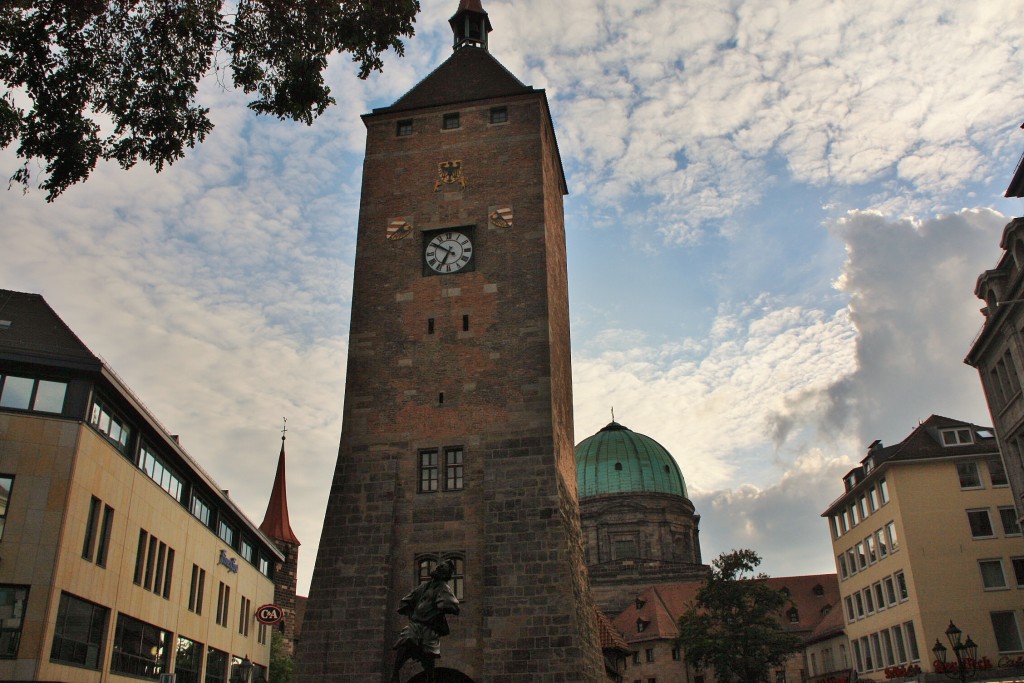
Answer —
(966, 654)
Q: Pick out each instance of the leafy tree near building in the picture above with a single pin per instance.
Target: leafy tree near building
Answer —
(280, 662)
(117, 79)
(732, 627)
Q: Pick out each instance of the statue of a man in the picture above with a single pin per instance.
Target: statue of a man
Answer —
(427, 607)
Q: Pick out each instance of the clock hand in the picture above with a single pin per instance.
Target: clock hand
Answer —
(448, 253)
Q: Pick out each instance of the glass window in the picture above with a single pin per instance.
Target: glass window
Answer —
(912, 641)
(1004, 624)
(246, 550)
(865, 648)
(458, 582)
(140, 649)
(859, 601)
(851, 558)
(188, 661)
(883, 547)
(499, 114)
(450, 121)
(969, 476)
(879, 595)
(6, 486)
(12, 613)
(78, 633)
(901, 649)
(856, 654)
(1008, 516)
(869, 543)
(890, 590)
(105, 530)
(901, 586)
(49, 396)
(890, 531)
(957, 437)
(873, 499)
(223, 601)
(850, 616)
(196, 588)
(216, 666)
(883, 490)
(992, 576)
(841, 563)
(159, 472)
(200, 510)
(92, 525)
(862, 503)
(869, 601)
(453, 469)
(862, 560)
(111, 426)
(226, 532)
(16, 392)
(1018, 570)
(846, 520)
(981, 523)
(854, 516)
(428, 471)
(264, 566)
(996, 472)
(404, 127)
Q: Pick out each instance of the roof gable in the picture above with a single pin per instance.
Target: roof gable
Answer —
(471, 73)
(35, 329)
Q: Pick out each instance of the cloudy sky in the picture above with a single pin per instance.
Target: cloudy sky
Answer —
(777, 213)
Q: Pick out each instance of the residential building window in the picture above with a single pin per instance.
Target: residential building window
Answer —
(499, 114)
(854, 516)
(856, 654)
(846, 520)
(6, 486)
(890, 531)
(1018, 570)
(833, 523)
(453, 469)
(159, 472)
(27, 393)
(649, 654)
(957, 437)
(223, 600)
(200, 510)
(862, 503)
(264, 566)
(428, 471)
(869, 543)
(188, 661)
(841, 563)
(865, 648)
(862, 560)
(851, 558)
(968, 473)
(403, 127)
(883, 547)
(196, 588)
(793, 614)
(13, 600)
(140, 649)
(216, 666)
(879, 595)
(850, 616)
(901, 648)
(869, 600)
(992, 576)
(997, 472)
(676, 654)
(883, 490)
(450, 121)
(1004, 624)
(860, 604)
(78, 633)
(890, 590)
(244, 610)
(1008, 517)
(226, 532)
(636, 658)
(908, 627)
(901, 586)
(873, 499)
(110, 425)
(981, 523)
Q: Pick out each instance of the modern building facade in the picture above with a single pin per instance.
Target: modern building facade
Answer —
(925, 533)
(120, 558)
(998, 351)
(457, 427)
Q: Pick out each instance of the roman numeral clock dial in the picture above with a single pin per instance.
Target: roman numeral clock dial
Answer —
(448, 251)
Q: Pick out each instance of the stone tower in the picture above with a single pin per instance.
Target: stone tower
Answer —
(457, 429)
(277, 528)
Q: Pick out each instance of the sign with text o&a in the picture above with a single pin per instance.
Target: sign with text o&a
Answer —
(269, 614)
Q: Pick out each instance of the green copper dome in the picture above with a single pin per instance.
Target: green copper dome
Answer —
(617, 460)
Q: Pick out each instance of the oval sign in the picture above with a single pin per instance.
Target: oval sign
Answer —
(269, 614)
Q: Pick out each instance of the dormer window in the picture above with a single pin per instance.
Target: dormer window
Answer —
(785, 592)
(641, 625)
(793, 615)
(819, 590)
(957, 437)
(639, 603)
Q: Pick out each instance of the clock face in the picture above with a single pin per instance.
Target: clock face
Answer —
(449, 251)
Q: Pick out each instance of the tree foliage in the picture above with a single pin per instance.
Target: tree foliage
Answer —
(280, 661)
(117, 79)
(733, 625)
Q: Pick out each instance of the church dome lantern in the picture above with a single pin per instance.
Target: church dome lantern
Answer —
(618, 460)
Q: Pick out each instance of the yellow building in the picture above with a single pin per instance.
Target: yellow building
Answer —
(925, 533)
(120, 558)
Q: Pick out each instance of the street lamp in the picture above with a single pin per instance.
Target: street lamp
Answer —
(966, 654)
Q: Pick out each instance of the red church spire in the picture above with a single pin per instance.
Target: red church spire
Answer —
(275, 522)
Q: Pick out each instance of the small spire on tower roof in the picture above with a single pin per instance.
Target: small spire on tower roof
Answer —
(275, 523)
(470, 25)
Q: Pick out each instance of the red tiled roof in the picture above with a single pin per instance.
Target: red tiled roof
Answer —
(275, 523)
(610, 638)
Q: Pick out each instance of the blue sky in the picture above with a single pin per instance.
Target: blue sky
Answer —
(777, 213)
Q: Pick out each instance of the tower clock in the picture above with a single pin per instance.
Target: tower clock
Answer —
(457, 434)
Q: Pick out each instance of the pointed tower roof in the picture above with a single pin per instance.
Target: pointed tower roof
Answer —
(275, 522)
